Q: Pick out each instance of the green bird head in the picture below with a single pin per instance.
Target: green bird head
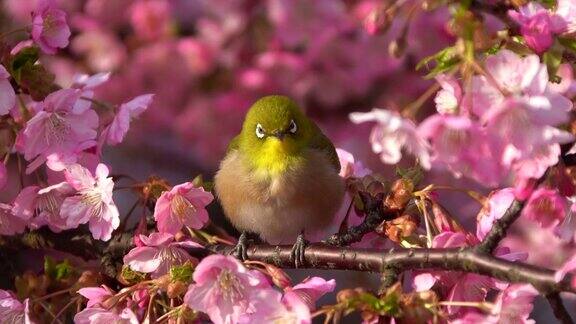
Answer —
(275, 134)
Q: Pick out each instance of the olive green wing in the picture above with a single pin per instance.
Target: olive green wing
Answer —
(323, 143)
(233, 145)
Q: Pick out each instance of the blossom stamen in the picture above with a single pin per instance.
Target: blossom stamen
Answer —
(57, 129)
(230, 286)
(182, 207)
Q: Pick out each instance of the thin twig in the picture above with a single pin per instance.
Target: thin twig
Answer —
(558, 307)
(501, 226)
(375, 215)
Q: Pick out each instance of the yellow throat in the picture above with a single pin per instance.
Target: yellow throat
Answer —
(275, 157)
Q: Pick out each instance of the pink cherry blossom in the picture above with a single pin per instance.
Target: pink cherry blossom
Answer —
(7, 94)
(183, 205)
(349, 167)
(59, 129)
(96, 295)
(515, 304)
(545, 206)
(567, 85)
(391, 134)
(272, 307)
(92, 202)
(525, 119)
(566, 11)
(533, 117)
(566, 231)
(311, 289)
(12, 310)
(49, 28)
(448, 98)
(476, 286)
(498, 203)
(537, 25)
(121, 123)
(45, 204)
(568, 267)
(461, 145)
(524, 78)
(10, 223)
(226, 290)
(461, 286)
(97, 315)
(158, 254)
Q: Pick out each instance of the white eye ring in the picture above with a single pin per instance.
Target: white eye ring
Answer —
(259, 131)
(293, 127)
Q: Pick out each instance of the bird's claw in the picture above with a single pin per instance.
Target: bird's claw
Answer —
(240, 251)
(297, 253)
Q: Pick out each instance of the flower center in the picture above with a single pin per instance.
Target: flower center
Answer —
(93, 198)
(230, 286)
(57, 129)
(545, 206)
(50, 203)
(182, 207)
(48, 22)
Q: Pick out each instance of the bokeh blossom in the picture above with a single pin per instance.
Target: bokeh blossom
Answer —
(393, 133)
(537, 25)
(49, 27)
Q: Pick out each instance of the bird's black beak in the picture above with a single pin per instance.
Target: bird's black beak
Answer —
(279, 134)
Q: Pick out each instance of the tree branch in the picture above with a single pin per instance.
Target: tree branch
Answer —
(375, 214)
(558, 307)
(372, 260)
(500, 227)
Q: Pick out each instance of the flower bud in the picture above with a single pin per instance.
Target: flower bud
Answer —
(345, 295)
(279, 277)
(88, 278)
(400, 194)
(443, 220)
(152, 189)
(176, 289)
(398, 228)
(129, 277)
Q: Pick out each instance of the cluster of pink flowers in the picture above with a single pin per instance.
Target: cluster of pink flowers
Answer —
(230, 293)
(63, 135)
(506, 123)
(539, 25)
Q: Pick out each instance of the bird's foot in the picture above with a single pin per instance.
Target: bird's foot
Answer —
(297, 254)
(240, 251)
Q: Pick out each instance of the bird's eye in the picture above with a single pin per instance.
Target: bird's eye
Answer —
(260, 131)
(293, 127)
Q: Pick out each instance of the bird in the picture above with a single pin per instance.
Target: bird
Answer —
(279, 179)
